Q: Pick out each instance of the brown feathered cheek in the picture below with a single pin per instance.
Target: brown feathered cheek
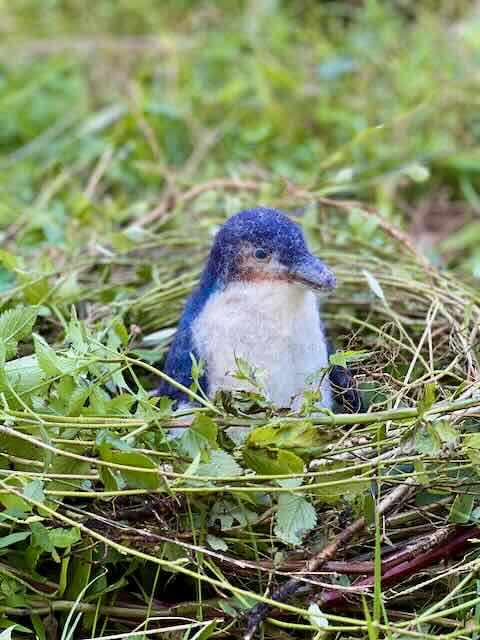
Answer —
(257, 264)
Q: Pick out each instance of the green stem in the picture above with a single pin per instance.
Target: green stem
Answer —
(170, 566)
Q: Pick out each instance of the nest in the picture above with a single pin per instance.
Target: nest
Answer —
(315, 522)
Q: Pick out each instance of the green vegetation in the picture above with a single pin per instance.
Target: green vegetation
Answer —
(130, 129)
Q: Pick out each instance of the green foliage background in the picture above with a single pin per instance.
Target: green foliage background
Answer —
(129, 130)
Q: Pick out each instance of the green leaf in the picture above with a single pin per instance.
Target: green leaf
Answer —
(221, 464)
(272, 462)
(227, 512)
(289, 434)
(23, 374)
(65, 465)
(205, 632)
(63, 582)
(12, 538)
(428, 399)
(34, 490)
(9, 260)
(295, 518)
(41, 536)
(461, 509)
(7, 633)
(217, 544)
(446, 431)
(338, 358)
(472, 440)
(64, 538)
(121, 332)
(200, 438)
(120, 405)
(428, 441)
(471, 443)
(35, 289)
(15, 325)
(197, 371)
(76, 400)
(47, 358)
(192, 468)
(107, 441)
(137, 479)
(14, 503)
(108, 479)
(38, 627)
(78, 574)
(206, 427)
(331, 473)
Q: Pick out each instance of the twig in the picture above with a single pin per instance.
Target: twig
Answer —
(393, 499)
(394, 232)
(194, 192)
(392, 575)
(101, 167)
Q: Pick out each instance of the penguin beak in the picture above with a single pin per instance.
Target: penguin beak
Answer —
(312, 273)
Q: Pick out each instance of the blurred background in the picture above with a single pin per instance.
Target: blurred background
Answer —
(110, 109)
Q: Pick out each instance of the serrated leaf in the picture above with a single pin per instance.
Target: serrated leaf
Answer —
(191, 445)
(35, 289)
(295, 517)
(217, 544)
(206, 427)
(222, 511)
(21, 448)
(446, 431)
(8, 260)
(227, 512)
(221, 464)
(77, 400)
(47, 358)
(427, 441)
(472, 440)
(66, 465)
(107, 442)
(23, 374)
(15, 325)
(192, 468)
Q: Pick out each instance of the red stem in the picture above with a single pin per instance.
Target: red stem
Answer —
(393, 575)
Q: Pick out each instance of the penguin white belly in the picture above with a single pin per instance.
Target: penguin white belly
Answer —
(275, 327)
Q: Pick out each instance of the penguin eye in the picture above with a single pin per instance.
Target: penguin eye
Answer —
(261, 254)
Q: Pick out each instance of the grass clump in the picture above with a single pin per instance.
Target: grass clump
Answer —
(129, 134)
